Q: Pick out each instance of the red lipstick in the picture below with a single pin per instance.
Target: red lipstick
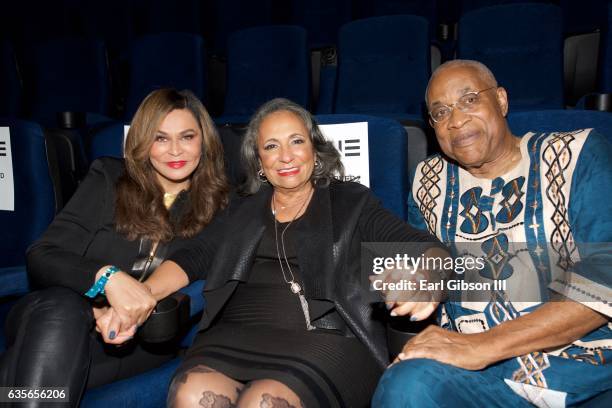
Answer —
(176, 164)
(288, 172)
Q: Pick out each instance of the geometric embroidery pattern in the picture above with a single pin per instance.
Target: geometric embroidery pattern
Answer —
(511, 204)
(531, 369)
(593, 356)
(497, 258)
(557, 157)
(429, 191)
(474, 205)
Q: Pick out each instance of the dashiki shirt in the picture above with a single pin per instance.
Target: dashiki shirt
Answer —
(540, 225)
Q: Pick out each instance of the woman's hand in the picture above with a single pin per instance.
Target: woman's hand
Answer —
(108, 323)
(98, 311)
(131, 300)
(403, 294)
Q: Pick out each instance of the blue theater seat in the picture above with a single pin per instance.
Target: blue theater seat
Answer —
(229, 16)
(560, 120)
(35, 203)
(264, 63)
(322, 19)
(423, 8)
(523, 45)
(388, 158)
(176, 60)
(383, 67)
(106, 140)
(68, 74)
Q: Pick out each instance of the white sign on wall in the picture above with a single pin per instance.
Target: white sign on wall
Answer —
(351, 140)
(126, 129)
(7, 186)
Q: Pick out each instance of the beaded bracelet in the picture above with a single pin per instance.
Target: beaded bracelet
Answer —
(98, 287)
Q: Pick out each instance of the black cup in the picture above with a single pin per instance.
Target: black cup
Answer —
(170, 314)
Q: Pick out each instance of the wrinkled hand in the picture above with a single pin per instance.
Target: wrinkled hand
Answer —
(418, 304)
(468, 351)
(108, 325)
(131, 300)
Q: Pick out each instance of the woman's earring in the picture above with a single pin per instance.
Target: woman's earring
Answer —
(317, 164)
(262, 176)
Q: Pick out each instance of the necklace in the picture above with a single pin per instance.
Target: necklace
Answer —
(288, 277)
(169, 199)
(279, 207)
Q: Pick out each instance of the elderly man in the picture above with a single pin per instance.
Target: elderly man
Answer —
(542, 193)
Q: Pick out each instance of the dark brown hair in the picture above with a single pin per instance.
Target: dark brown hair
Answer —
(140, 211)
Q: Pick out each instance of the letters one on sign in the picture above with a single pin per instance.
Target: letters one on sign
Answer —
(7, 188)
(351, 140)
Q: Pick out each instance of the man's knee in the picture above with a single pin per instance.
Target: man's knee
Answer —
(410, 383)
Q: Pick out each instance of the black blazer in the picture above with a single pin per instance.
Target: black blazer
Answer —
(328, 245)
(82, 237)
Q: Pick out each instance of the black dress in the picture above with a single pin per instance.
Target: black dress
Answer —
(261, 334)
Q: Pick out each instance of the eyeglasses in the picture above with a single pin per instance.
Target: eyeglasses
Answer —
(467, 103)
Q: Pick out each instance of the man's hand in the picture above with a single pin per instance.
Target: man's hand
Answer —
(131, 300)
(469, 351)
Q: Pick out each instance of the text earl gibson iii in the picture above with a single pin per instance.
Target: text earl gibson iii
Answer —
(441, 285)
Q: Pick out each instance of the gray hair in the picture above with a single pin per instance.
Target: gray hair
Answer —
(483, 72)
(325, 153)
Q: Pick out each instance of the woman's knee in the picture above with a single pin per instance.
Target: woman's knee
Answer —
(50, 309)
(409, 383)
(56, 301)
(268, 393)
(204, 387)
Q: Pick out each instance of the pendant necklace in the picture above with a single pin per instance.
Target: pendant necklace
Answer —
(294, 286)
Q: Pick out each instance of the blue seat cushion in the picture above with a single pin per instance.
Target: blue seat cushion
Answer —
(13, 281)
(147, 390)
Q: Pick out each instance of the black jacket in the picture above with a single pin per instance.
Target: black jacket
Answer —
(328, 244)
(82, 237)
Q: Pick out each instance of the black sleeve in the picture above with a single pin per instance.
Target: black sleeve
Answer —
(195, 255)
(378, 224)
(57, 258)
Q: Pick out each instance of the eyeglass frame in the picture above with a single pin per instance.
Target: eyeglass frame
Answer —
(454, 104)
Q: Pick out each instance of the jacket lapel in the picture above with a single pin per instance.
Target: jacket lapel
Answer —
(315, 247)
(245, 229)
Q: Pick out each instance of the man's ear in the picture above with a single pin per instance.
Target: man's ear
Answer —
(502, 99)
